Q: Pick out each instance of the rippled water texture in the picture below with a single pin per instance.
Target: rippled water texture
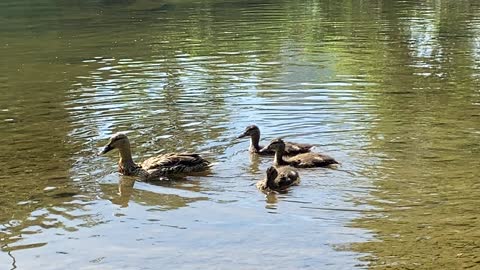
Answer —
(391, 89)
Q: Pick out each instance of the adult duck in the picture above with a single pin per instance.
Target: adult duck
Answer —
(304, 160)
(154, 168)
(290, 148)
(279, 179)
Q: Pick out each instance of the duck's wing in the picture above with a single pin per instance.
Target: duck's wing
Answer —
(176, 162)
(292, 148)
(307, 160)
(324, 160)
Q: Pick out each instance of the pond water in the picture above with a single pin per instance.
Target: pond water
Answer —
(391, 89)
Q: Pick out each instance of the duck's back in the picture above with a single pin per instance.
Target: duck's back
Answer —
(287, 176)
(176, 163)
(307, 160)
(292, 148)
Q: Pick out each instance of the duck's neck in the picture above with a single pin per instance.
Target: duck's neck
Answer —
(254, 142)
(278, 158)
(126, 165)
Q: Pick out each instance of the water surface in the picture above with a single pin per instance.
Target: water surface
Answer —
(390, 89)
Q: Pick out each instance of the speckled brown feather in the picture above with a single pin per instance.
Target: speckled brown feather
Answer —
(291, 148)
(154, 168)
(304, 160)
(279, 179)
(173, 163)
(309, 160)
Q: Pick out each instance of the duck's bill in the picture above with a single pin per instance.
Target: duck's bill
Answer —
(105, 150)
(242, 135)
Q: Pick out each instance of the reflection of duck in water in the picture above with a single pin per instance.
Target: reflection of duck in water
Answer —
(290, 148)
(154, 168)
(125, 191)
(304, 160)
(255, 161)
(279, 179)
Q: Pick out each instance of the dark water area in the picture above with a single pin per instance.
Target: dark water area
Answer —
(391, 89)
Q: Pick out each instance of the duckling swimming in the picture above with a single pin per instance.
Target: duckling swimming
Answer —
(290, 148)
(279, 179)
(154, 168)
(304, 160)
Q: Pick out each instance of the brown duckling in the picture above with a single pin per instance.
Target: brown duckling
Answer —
(304, 160)
(279, 179)
(290, 148)
(154, 168)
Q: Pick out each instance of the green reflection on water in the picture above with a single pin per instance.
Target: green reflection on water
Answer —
(71, 74)
(427, 136)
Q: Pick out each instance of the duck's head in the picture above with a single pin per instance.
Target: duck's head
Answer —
(119, 141)
(275, 144)
(250, 131)
(272, 173)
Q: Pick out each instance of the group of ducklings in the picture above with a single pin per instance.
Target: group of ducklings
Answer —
(280, 176)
